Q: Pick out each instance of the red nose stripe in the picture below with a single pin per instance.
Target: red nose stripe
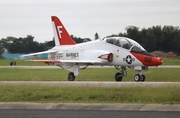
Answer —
(147, 60)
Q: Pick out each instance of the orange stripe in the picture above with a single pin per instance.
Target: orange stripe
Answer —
(148, 60)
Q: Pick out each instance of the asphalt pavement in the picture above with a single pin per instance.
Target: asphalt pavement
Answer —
(87, 110)
(20, 113)
(90, 106)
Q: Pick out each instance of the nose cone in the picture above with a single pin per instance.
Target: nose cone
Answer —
(152, 61)
(157, 61)
(148, 60)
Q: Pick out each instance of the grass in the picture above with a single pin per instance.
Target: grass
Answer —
(62, 94)
(90, 74)
(171, 61)
(6, 62)
(19, 74)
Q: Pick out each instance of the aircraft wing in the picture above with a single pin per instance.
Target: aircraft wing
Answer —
(66, 61)
(38, 53)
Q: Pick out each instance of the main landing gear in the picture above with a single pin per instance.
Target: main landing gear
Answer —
(71, 76)
(119, 75)
(74, 70)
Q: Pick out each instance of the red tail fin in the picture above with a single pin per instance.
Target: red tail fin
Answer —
(62, 37)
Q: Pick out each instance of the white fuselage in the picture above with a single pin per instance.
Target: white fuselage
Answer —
(92, 50)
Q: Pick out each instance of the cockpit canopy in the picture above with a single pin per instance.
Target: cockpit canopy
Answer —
(125, 43)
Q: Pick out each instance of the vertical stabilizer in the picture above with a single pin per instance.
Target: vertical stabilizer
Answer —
(62, 37)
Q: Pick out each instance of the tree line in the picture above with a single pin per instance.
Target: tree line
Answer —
(155, 38)
(23, 45)
(28, 45)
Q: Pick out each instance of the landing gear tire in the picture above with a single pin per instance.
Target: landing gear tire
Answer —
(138, 78)
(118, 77)
(142, 78)
(71, 76)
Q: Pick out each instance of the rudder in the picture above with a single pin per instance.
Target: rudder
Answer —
(62, 37)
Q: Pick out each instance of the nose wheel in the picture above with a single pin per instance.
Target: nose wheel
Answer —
(139, 77)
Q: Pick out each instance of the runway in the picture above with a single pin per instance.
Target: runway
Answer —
(92, 83)
(88, 110)
(20, 113)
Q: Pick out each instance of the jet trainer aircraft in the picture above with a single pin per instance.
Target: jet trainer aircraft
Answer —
(120, 52)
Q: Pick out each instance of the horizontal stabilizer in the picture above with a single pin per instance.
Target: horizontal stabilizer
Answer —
(46, 61)
(38, 53)
(66, 61)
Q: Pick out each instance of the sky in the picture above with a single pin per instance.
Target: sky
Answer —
(83, 18)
